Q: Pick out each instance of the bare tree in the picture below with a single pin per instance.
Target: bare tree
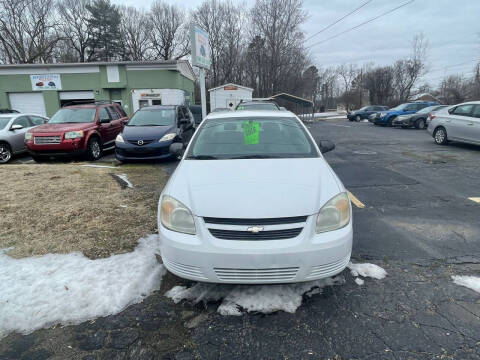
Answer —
(28, 31)
(136, 28)
(348, 74)
(379, 84)
(170, 33)
(74, 27)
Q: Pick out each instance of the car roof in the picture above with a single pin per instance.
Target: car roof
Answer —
(159, 107)
(255, 102)
(82, 106)
(20, 114)
(251, 113)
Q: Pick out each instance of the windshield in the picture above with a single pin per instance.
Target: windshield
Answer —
(251, 138)
(259, 106)
(69, 116)
(399, 107)
(3, 122)
(426, 110)
(153, 118)
(363, 108)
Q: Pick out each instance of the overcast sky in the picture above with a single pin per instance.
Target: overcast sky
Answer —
(452, 28)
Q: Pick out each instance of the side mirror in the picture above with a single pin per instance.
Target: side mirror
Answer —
(326, 146)
(176, 149)
(104, 121)
(16, 127)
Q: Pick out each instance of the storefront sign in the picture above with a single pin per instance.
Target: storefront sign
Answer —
(46, 82)
(230, 87)
(200, 48)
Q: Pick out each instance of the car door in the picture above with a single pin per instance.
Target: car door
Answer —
(475, 125)
(116, 123)
(17, 137)
(105, 126)
(458, 122)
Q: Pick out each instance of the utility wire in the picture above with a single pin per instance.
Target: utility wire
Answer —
(337, 21)
(454, 65)
(359, 25)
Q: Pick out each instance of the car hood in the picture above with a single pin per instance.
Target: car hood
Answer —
(146, 132)
(254, 188)
(55, 128)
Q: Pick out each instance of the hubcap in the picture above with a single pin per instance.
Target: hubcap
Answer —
(5, 154)
(440, 136)
(421, 124)
(96, 149)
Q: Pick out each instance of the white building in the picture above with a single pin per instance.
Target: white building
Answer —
(228, 96)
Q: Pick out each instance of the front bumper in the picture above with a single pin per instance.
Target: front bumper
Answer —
(401, 122)
(308, 256)
(152, 151)
(66, 147)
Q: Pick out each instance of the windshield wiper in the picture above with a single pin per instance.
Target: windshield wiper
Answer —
(257, 156)
(201, 157)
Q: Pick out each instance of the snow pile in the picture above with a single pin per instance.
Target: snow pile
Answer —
(366, 270)
(252, 298)
(471, 282)
(100, 166)
(124, 178)
(41, 291)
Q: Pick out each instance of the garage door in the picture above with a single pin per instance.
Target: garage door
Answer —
(76, 95)
(30, 103)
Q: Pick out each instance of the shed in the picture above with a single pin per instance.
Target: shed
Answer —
(228, 96)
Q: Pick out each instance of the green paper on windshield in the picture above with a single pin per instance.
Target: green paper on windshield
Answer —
(251, 132)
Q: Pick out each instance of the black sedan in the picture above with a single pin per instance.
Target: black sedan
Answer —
(365, 112)
(151, 130)
(417, 120)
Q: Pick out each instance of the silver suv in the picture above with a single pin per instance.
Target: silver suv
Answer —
(456, 123)
(13, 127)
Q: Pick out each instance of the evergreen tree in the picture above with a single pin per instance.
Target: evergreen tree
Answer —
(104, 27)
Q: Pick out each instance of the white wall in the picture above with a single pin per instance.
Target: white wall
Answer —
(221, 98)
(168, 96)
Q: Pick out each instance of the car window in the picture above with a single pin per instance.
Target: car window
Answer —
(103, 114)
(463, 110)
(236, 138)
(37, 120)
(153, 117)
(73, 115)
(476, 111)
(411, 107)
(112, 112)
(23, 121)
(121, 111)
(259, 106)
(4, 121)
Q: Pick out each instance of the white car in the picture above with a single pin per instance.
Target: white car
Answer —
(254, 201)
(457, 123)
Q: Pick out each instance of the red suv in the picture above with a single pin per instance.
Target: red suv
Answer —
(77, 130)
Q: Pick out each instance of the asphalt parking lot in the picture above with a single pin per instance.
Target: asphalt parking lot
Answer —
(413, 217)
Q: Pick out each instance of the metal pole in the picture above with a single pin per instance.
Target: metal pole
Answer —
(202, 93)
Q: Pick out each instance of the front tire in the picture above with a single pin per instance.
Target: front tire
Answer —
(5, 153)
(358, 118)
(94, 149)
(390, 121)
(440, 136)
(420, 124)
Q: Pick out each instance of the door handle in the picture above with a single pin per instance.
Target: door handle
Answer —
(469, 123)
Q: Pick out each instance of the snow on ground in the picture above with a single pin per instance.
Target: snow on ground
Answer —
(100, 166)
(252, 298)
(40, 291)
(125, 178)
(471, 282)
(367, 270)
(359, 281)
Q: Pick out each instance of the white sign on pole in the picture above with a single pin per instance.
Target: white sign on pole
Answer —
(46, 82)
(200, 48)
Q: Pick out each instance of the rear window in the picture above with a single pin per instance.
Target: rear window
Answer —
(257, 107)
(4, 121)
(73, 116)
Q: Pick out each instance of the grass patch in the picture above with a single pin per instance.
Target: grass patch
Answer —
(60, 208)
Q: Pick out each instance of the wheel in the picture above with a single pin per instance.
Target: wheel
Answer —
(358, 118)
(39, 159)
(420, 124)
(440, 136)
(94, 149)
(390, 121)
(5, 153)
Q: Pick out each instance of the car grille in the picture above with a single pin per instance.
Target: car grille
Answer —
(262, 235)
(144, 142)
(251, 275)
(266, 221)
(45, 140)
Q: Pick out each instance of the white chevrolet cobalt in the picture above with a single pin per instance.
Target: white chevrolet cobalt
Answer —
(252, 202)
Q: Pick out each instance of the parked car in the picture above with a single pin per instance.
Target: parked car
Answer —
(257, 105)
(196, 110)
(221, 110)
(9, 111)
(457, 123)
(418, 119)
(151, 130)
(77, 130)
(387, 117)
(13, 127)
(365, 112)
(254, 201)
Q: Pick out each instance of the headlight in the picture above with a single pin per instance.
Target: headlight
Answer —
(119, 138)
(175, 216)
(28, 136)
(335, 214)
(167, 137)
(383, 114)
(73, 134)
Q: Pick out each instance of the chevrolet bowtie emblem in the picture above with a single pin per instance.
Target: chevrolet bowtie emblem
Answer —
(255, 229)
